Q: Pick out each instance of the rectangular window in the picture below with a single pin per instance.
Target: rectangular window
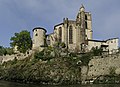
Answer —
(86, 26)
(70, 35)
(60, 34)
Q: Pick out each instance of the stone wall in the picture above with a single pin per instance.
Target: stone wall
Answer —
(101, 66)
(38, 38)
(18, 56)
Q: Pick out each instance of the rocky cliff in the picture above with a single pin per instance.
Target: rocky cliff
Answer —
(52, 71)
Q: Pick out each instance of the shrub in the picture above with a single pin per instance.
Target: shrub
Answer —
(85, 58)
(112, 71)
(39, 55)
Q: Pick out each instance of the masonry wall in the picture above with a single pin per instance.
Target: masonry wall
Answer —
(93, 44)
(18, 56)
(101, 66)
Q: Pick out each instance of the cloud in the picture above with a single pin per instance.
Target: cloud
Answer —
(26, 14)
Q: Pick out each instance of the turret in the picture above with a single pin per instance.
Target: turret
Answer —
(39, 38)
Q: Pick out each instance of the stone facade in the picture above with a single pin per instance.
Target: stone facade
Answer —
(76, 34)
(109, 45)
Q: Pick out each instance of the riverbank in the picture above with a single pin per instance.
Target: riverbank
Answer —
(108, 79)
(14, 84)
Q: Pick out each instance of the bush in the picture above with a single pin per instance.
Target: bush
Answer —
(85, 58)
(97, 51)
(112, 71)
(39, 55)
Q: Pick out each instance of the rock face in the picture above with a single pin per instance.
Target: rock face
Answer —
(53, 71)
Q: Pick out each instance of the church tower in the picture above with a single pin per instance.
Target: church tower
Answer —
(84, 30)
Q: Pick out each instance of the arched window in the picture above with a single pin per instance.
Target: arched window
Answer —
(60, 34)
(70, 35)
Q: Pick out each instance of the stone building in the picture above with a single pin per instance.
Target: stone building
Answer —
(76, 34)
(39, 37)
(109, 46)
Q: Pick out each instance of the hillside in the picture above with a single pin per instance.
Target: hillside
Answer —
(54, 71)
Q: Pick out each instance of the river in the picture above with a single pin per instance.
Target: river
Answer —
(14, 84)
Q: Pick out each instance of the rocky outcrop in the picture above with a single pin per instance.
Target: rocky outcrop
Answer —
(53, 71)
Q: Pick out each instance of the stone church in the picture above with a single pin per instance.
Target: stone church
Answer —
(76, 34)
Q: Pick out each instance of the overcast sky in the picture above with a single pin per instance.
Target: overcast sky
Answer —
(17, 15)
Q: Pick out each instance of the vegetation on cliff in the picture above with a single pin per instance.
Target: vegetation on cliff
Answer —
(108, 79)
(56, 70)
(53, 65)
(4, 51)
(46, 67)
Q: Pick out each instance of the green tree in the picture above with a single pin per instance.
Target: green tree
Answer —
(97, 51)
(2, 51)
(85, 58)
(22, 40)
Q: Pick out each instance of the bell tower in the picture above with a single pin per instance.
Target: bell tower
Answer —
(81, 29)
(82, 25)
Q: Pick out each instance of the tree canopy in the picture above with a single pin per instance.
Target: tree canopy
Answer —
(5, 50)
(22, 40)
(2, 51)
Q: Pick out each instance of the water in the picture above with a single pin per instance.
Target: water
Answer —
(13, 84)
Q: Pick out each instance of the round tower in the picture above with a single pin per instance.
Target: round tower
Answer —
(38, 38)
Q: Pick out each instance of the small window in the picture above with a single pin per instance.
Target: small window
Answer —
(111, 41)
(27, 52)
(60, 34)
(86, 26)
(85, 17)
(36, 34)
(36, 29)
(70, 35)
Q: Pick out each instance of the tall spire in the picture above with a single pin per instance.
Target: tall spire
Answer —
(82, 8)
